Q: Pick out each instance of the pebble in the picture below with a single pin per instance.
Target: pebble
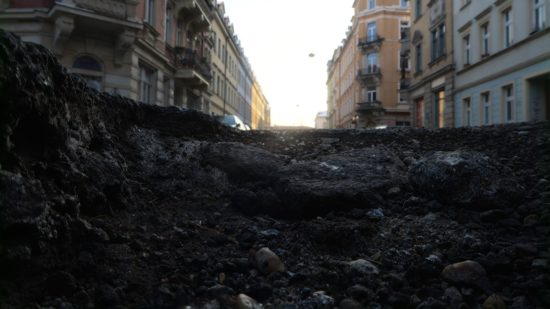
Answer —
(348, 303)
(467, 272)
(364, 267)
(494, 302)
(268, 262)
(539, 263)
(375, 214)
(219, 291)
(244, 301)
(359, 292)
(453, 294)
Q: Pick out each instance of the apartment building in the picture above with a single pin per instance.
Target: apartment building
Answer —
(502, 56)
(365, 72)
(153, 51)
(332, 90)
(429, 48)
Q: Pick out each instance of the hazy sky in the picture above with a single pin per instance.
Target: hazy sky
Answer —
(277, 37)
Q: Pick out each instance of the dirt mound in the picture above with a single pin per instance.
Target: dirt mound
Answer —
(105, 202)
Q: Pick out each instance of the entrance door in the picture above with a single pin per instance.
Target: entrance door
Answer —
(419, 112)
(439, 109)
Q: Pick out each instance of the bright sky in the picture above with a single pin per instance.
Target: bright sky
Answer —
(277, 37)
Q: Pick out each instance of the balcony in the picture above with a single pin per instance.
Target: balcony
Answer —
(120, 9)
(370, 75)
(196, 12)
(370, 107)
(192, 69)
(370, 42)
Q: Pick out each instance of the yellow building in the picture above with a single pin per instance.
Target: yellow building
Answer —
(233, 86)
(365, 71)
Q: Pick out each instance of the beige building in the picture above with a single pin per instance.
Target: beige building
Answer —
(162, 52)
(502, 58)
(365, 72)
(235, 89)
(430, 48)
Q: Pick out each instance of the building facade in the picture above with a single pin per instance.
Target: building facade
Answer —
(429, 48)
(365, 72)
(502, 56)
(152, 51)
(321, 120)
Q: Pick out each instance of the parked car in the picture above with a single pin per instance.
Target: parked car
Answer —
(233, 121)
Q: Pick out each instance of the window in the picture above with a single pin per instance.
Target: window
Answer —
(467, 112)
(438, 42)
(372, 4)
(508, 103)
(466, 44)
(372, 95)
(404, 26)
(149, 11)
(485, 39)
(418, 60)
(371, 31)
(400, 98)
(508, 35)
(146, 84)
(486, 107)
(405, 3)
(539, 15)
(372, 62)
(89, 69)
(418, 9)
(404, 63)
(168, 26)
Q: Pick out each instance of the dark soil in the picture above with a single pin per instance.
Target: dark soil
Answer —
(109, 203)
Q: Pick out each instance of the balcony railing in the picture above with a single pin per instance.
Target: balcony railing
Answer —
(187, 58)
(371, 70)
(369, 106)
(370, 40)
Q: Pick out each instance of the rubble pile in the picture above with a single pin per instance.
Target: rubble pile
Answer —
(105, 202)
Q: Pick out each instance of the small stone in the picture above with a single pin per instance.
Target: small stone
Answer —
(359, 292)
(268, 262)
(467, 272)
(322, 300)
(246, 302)
(540, 263)
(494, 302)
(270, 233)
(219, 291)
(394, 191)
(348, 303)
(531, 220)
(375, 214)
(363, 267)
(453, 294)
(19, 253)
